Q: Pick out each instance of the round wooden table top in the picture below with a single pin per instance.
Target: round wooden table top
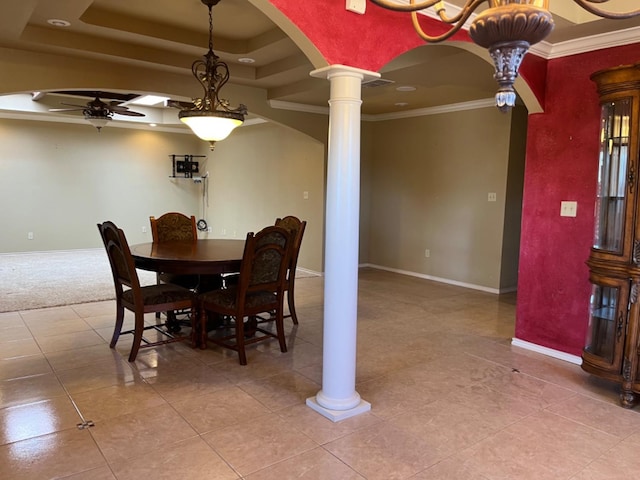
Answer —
(199, 257)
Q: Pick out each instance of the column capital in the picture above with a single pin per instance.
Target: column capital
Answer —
(344, 71)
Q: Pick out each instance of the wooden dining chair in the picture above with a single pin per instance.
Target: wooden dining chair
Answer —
(140, 300)
(177, 227)
(260, 289)
(296, 227)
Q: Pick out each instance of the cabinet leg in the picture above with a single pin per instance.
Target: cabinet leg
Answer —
(627, 399)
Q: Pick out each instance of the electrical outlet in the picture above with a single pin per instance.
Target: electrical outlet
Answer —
(427, 253)
(209, 230)
(30, 236)
(305, 195)
(144, 229)
(492, 197)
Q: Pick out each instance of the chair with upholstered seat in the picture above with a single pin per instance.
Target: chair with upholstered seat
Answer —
(260, 289)
(296, 227)
(140, 300)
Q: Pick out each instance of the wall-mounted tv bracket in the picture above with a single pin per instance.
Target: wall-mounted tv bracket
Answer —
(184, 166)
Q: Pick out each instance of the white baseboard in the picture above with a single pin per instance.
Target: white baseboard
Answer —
(496, 291)
(550, 352)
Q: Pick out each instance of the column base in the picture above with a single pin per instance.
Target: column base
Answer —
(337, 415)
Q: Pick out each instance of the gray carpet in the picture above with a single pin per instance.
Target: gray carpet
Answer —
(50, 279)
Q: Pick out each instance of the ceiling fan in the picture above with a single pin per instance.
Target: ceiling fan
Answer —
(97, 112)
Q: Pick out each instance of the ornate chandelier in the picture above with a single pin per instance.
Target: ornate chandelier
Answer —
(210, 117)
(507, 28)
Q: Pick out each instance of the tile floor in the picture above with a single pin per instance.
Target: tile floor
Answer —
(451, 399)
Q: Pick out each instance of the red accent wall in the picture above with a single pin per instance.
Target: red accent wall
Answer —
(561, 164)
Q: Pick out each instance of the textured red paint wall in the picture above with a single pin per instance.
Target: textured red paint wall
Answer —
(561, 164)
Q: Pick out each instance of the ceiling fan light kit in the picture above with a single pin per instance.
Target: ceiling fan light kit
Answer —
(209, 117)
(507, 28)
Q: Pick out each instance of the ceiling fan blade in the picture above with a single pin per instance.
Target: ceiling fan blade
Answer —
(66, 109)
(72, 105)
(129, 113)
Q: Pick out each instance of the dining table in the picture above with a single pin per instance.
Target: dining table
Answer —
(204, 256)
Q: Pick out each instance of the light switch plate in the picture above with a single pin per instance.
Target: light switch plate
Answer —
(568, 209)
(357, 6)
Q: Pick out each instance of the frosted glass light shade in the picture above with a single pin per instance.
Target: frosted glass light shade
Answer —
(98, 122)
(211, 128)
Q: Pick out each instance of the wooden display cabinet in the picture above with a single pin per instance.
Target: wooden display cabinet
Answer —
(611, 349)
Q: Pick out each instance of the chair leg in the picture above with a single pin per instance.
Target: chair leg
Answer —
(137, 336)
(242, 355)
(118, 326)
(280, 331)
(292, 306)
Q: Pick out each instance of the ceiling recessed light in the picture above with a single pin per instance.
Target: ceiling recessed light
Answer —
(401, 104)
(405, 88)
(246, 60)
(56, 22)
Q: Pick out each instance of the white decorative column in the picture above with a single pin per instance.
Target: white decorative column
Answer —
(338, 398)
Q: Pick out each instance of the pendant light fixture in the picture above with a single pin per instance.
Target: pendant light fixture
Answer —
(210, 117)
(507, 28)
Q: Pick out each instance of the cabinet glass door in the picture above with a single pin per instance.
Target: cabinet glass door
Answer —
(607, 323)
(612, 176)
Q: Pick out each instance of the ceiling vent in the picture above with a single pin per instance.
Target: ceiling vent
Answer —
(378, 82)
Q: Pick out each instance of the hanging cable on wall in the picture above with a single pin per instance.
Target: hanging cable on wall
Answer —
(202, 223)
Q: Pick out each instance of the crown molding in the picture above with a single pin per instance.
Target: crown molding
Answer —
(298, 107)
(423, 112)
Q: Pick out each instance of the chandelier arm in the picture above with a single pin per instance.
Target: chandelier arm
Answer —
(399, 7)
(458, 22)
(587, 5)
(463, 15)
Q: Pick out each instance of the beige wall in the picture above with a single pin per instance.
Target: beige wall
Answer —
(260, 173)
(59, 180)
(430, 178)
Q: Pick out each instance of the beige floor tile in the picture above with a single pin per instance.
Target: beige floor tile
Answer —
(60, 327)
(48, 315)
(15, 332)
(219, 409)
(191, 459)
(113, 371)
(50, 456)
(316, 464)
(38, 418)
(141, 433)
(259, 443)
(383, 452)
(322, 430)
(110, 402)
(69, 341)
(452, 468)
(542, 446)
(81, 357)
(280, 391)
(20, 391)
(94, 309)
(178, 385)
(452, 399)
(602, 416)
(23, 366)
(19, 348)
(11, 319)
(101, 473)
